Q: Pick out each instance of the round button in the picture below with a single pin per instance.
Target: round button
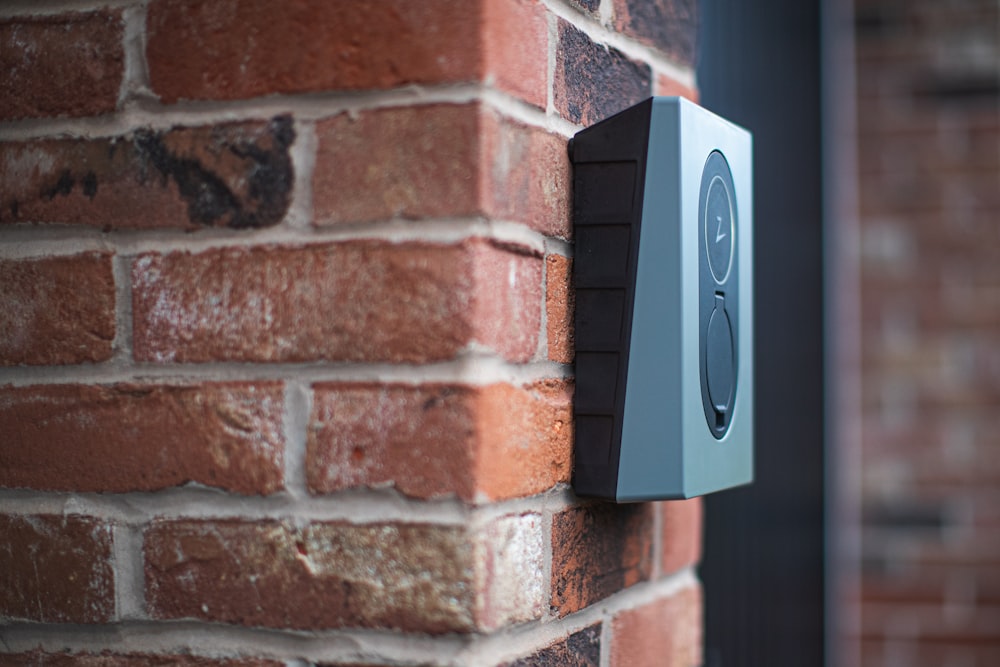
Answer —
(720, 369)
(719, 228)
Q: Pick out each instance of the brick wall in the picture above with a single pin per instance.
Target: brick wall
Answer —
(285, 371)
(928, 122)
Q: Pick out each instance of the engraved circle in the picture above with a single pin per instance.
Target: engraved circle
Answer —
(719, 237)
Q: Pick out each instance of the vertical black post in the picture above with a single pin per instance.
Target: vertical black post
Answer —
(763, 569)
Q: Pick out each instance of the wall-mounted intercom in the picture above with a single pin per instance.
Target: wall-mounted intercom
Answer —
(663, 270)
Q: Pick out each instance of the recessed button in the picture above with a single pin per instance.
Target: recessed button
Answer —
(720, 368)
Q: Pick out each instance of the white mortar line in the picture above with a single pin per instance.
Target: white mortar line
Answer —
(192, 502)
(607, 638)
(24, 241)
(143, 112)
(657, 540)
(135, 78)
(121, 267)
(226, 641)
(356, 506)
(558, 247)
(549, 502)
(130, 603)
(298, 406)
(469, 369)
(605, 12)
(519, 110)
(603, 34)
(542, 350)
(303, 154)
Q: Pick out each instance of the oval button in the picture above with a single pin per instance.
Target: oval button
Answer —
(719, 360)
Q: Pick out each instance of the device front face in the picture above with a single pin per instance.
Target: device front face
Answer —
(663, 224)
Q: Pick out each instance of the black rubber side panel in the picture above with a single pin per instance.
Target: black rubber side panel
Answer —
(609, 169)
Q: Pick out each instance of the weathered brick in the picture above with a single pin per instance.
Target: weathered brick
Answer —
(598, 550)
(664, 633)
(68, 64)
(57, 310)
(681, 534)
(235, 175)
(591, 7)
(580, 649)
(525, 175)
(39, 658)
(442, 160)
(421, 440)
(559, 308)
(593, 81)
(428, 441)
(239, 48)
(668, 25)
(530, 438)
(411, 162)
(517, 66)
(510, 562)
(356, 301)
(413, 577)
(132, 437)
(668, 86)
(55, 569)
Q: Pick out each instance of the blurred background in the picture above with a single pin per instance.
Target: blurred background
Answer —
(871, 536)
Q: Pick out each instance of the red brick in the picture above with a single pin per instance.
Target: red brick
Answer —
(681, 527)
(412, 577)
(39, 658)
(240, 48)
(61, 65)
(357, 301)
(592, 81)
(525, 175)
(421, 440)
(518, 66)
(669, 86)
(123, 438)
(668, 25)
(57, 310)
(528, 441)
(440, 161)
(428, 441)
(580, 649)
(559, 308)
(412, 162)
(234, 175)
(56, 569)
(598, 550)
(665, 633)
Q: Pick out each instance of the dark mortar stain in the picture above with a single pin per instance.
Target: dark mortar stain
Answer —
(209, 198)
(582, 649)
(599, 81)
(62, 187)
(670, 25)
(90, 184)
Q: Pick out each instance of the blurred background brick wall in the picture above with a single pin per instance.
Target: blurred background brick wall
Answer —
(928, 185)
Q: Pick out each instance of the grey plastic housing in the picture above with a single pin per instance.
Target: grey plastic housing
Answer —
(645, 426)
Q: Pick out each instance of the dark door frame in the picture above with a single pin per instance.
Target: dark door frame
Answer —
(763, 567)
